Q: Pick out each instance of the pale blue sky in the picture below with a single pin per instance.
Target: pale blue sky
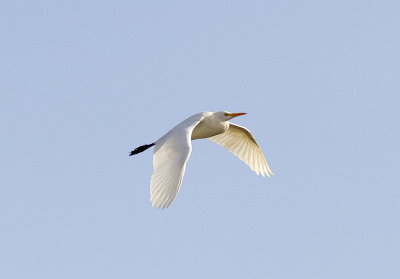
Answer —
(84, 82)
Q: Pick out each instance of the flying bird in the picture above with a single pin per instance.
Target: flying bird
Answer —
(172, 151)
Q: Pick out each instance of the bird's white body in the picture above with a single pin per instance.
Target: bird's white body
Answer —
(172, 151)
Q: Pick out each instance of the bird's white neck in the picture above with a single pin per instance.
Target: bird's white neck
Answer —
(209, 127)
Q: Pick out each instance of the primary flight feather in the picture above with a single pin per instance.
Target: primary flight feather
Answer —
(172, 151)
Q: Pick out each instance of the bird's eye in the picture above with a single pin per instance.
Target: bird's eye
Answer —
(225, 114)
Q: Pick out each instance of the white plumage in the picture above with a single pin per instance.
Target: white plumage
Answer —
(172, 151)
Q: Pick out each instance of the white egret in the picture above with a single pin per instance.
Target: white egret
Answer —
(172, 151)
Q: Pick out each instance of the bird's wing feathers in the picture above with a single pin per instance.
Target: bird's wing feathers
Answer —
(171, 153)
(241, 143)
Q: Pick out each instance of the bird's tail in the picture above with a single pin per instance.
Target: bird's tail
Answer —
(141, 148)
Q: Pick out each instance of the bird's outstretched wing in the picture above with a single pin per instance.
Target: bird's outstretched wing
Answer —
(171, 153)
(241, 143)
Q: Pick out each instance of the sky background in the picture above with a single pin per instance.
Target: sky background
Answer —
(84, 82)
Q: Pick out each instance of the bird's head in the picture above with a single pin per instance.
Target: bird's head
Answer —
(226, 115)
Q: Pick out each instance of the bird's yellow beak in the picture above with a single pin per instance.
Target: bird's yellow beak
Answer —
(237, 114)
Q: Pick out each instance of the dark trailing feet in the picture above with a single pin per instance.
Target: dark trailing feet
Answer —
(141, 148)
